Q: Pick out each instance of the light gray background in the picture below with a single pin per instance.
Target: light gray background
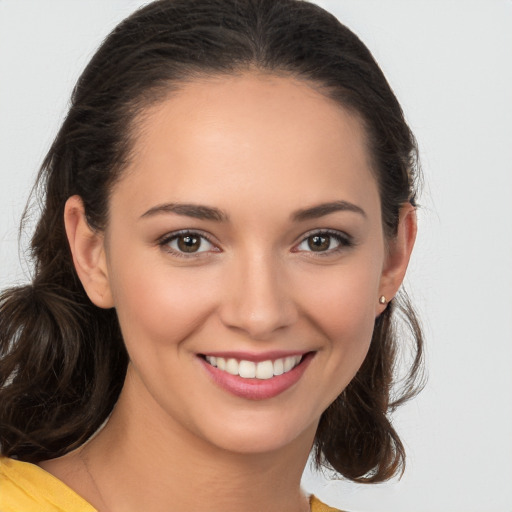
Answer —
(450, 63)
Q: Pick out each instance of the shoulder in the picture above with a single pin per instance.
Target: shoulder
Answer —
(29, 488)
(318, 506)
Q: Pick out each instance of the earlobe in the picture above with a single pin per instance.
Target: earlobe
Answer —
(88, 251)
(398, 256)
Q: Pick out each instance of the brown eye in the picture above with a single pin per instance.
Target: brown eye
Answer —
(319, 242)
(325, 242)
(188, 243)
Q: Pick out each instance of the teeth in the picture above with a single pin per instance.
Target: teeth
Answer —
(289, 363)
(232, 366)
(278, 367)
(250, 370)
(264, 370)
(247, 369)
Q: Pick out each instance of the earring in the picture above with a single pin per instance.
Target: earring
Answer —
(382, 299)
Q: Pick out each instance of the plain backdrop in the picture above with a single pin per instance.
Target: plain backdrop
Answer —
(450, 64)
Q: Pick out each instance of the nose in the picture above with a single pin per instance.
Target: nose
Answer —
(258, 299)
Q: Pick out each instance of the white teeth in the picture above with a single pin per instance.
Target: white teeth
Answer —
(289, 363)
(247, 369)
(232, 366)
(250, 370)
(278, 367)
(264, 370)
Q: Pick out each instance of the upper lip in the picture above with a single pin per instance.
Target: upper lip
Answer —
(256, 357)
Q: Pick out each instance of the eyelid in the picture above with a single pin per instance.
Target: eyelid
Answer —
(345, 240)
(166, 239)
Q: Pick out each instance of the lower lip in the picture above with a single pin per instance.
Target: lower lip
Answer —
(258, 389)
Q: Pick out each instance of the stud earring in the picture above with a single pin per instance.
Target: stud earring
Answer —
(382, 299)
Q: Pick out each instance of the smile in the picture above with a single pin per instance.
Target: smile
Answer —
(255, 370)
(256, 377)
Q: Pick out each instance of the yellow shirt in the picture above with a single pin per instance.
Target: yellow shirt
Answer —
(26, 487)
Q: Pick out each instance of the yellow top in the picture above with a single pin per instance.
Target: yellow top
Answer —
(25, 487)
(318, 506)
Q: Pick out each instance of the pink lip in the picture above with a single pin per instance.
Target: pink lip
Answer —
(257, 389)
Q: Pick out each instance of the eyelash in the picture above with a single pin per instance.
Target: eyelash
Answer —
(167, 239)
(344, 242)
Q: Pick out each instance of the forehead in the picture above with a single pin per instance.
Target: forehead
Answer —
(252, 133)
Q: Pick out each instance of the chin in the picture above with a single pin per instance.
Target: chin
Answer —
(263, 434)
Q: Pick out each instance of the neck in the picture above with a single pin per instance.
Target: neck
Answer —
(139, 462)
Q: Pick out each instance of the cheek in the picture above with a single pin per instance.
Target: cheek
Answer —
(343, 303)
(158, 303)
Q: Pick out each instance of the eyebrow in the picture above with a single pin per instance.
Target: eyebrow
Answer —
(210, 213)
(325, 209)
(189, 210)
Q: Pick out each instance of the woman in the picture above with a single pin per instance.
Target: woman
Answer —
(229, 214)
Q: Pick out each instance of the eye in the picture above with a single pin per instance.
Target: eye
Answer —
(187, 243)
(324, 242)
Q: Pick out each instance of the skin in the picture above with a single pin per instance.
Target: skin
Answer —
(176, 440)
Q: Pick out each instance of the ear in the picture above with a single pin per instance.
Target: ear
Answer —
(398, 255)
(88, 251)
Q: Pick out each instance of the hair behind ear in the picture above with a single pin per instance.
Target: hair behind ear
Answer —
(355, 436)
(62, 365)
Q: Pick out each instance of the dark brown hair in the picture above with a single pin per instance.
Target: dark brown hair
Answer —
(62, 359)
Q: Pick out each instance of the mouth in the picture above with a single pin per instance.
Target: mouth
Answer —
(262, 370)
(256, 377)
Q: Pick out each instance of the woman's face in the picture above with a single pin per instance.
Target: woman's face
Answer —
(245, 238)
